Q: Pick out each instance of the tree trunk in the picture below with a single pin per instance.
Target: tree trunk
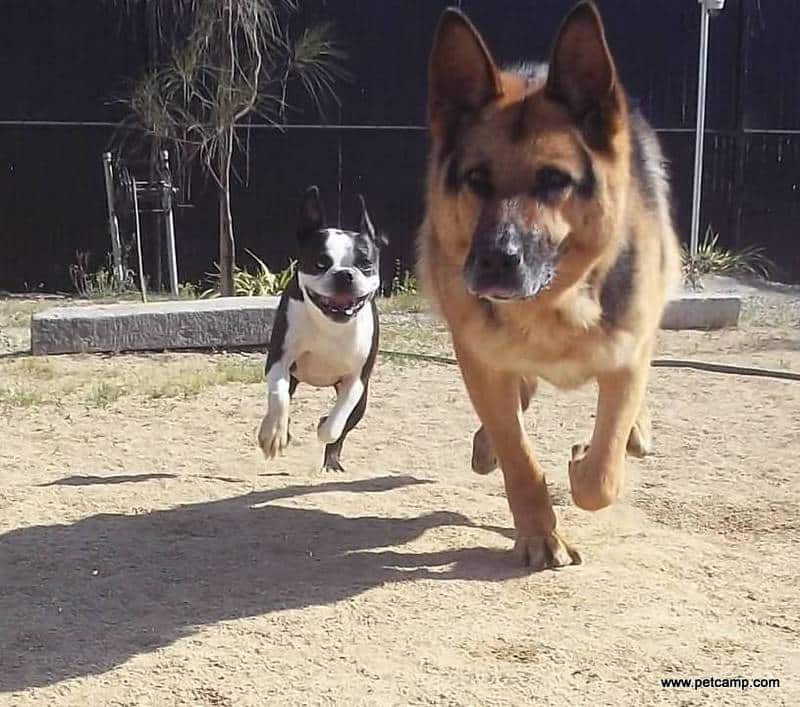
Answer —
(227, 247)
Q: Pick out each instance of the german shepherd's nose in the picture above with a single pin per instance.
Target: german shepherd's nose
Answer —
(499, 262)
(509, 261)
(494, 268)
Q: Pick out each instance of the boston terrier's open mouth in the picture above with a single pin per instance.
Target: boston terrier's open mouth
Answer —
(338, 307)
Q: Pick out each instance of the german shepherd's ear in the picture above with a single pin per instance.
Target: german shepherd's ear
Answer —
(582, 75)
(312, 213)
(366, 227)
(462, 75)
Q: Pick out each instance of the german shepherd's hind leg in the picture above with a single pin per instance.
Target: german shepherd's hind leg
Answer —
(597, 472)
(496, 397)
(640, 440)
(484, 460)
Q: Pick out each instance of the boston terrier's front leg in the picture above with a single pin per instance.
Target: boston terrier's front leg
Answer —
(273, 437)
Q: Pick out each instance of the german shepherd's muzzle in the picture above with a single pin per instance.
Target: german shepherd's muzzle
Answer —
(511, 255)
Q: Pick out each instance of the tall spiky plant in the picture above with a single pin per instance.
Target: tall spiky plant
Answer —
(224, 61)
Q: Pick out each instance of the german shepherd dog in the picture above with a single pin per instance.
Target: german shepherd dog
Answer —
(548, 247)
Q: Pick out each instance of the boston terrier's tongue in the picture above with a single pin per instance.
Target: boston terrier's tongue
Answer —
(342, 301)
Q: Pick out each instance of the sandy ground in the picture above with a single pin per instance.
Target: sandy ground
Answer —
(149, 556)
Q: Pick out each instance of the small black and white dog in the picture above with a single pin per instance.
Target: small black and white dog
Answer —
(326, 329)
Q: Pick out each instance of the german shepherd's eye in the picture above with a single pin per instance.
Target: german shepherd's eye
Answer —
(479, 181)
(551, 182)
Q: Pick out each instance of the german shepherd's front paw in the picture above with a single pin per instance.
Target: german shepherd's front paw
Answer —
(273, 436)
(592, 487)
(541, 552)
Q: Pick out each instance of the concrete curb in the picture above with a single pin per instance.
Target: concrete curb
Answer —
(238, 322)
(702, 311)
(225, 322)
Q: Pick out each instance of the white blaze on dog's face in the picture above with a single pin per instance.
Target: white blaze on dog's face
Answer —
(338, 271)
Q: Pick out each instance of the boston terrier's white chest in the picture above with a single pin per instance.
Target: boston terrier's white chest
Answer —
(324, 352)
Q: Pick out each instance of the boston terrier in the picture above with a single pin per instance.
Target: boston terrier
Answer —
(326, 329)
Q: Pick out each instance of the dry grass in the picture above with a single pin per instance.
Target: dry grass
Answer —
(15, 320)
(35, 368)
(99, 382)
(104, 394)
(403, 303)
(408, 325)
(19, 396)
(17, 313)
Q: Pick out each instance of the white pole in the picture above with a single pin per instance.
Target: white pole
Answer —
(169, 222)
(700, 129)
(139, 241)
(113, 224)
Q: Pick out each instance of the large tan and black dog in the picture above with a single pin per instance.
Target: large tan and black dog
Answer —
(548, 248)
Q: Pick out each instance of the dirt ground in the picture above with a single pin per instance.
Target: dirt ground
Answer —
(149, 556)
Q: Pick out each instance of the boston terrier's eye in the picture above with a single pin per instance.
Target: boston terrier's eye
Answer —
(363, 263)
(323, 263)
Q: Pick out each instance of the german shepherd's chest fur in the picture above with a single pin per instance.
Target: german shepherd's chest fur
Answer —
(556, 343)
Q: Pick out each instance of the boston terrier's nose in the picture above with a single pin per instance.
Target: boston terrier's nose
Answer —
(343, 278)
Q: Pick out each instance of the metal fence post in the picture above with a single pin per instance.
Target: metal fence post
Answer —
(169, 223)
(142, 285)
(113, 223)
(706, 7)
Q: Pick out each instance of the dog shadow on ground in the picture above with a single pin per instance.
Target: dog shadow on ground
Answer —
(82, 598)
(88, 480)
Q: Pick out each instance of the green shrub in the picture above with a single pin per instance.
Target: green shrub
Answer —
(260, 282)
(713, 259)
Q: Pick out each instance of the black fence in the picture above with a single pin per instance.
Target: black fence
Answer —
(63, 62)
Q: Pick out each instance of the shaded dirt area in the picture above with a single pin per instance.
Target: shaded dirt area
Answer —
(149, 556)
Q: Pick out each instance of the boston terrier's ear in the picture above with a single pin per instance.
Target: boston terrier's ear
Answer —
(366, 226)
(312, 213)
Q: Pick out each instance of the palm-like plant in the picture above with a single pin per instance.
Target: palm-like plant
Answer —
(226, 61)
(713, 259)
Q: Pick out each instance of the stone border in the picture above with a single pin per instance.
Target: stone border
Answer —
(225, 322)
(240, 322)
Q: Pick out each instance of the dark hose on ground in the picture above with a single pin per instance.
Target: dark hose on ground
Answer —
(656, 363)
